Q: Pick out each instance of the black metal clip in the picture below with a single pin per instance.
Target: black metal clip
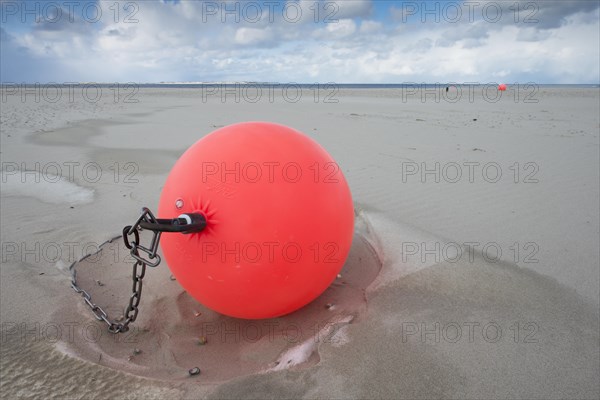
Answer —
(185, 223)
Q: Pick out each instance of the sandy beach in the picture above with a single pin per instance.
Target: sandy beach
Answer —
(473, 272)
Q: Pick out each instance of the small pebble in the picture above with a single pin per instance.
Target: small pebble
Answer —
(194, 371)
(99, 283)
(172, 277)
(197, 313)
(41, 273)
(329, 306)
(120, 318)
(339, 275)
(136, 352)
(202, 340)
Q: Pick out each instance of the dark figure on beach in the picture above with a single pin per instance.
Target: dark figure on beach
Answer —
(447, 87)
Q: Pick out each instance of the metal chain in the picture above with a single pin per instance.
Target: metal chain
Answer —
(185, 223)
(139, 271)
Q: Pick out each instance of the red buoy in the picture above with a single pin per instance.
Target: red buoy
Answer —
(279, 214)
(502, 87)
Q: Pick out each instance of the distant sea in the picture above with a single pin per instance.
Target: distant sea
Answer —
(330, 85)
(352, 85)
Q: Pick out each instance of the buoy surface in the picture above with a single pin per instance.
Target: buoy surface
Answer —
(280, 220)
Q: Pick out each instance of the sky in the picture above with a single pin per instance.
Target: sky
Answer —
(302, 41)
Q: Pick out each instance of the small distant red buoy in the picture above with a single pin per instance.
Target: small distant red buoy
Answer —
(502, 87)
(279, 220)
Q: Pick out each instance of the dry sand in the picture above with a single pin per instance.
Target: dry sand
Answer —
(426, 307)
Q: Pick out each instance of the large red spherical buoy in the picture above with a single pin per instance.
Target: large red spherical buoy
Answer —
(502, 87)
(280, 220)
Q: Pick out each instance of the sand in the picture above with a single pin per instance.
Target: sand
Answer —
(478, 285)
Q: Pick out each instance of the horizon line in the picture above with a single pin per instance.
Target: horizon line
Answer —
(284, 83)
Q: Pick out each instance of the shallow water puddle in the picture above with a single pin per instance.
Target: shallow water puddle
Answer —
(174, 333)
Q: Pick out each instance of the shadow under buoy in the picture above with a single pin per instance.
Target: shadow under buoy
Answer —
(175, 334)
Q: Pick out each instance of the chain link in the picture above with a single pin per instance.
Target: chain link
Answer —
(138, 273)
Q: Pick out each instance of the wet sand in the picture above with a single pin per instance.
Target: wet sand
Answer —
(473, 273)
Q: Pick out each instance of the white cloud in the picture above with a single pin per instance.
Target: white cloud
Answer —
(252, 36)
(533, 35)
(174, 42)
(341, 29)
(369, 26)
